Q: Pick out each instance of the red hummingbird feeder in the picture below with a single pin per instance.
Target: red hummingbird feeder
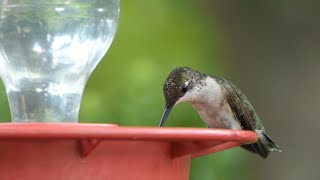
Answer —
(48, 51)
(66, 151)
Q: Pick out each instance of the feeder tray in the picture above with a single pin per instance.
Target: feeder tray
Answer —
(65, 151)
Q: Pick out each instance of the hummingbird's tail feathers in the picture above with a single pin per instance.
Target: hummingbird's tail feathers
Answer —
(257, 148)
(272, 146)
(263, 146)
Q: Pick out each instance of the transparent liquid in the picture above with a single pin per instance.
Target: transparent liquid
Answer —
(33, 106)
(48, 49)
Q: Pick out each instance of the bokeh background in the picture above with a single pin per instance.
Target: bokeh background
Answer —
(270, 49)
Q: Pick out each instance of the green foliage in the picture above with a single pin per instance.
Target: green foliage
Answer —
(126, 88)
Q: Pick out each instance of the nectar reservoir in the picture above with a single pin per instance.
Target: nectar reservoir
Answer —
(48, 49)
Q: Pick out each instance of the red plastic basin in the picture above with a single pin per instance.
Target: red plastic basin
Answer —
(64, 151)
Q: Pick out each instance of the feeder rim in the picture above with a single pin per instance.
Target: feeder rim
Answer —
(114, 132)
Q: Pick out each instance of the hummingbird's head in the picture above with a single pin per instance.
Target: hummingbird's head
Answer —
(177, 87)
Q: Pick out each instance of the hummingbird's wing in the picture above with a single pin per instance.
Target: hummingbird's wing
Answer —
(248, 119)
(241, 107)
(246, 116)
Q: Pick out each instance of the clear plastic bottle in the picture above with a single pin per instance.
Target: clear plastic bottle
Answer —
(48, 49)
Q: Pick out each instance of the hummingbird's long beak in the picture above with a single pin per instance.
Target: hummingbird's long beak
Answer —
(164, 116)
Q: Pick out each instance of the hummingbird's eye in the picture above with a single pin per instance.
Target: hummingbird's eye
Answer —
(184, 88)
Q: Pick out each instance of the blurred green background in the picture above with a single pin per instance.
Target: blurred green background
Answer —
(270, 49)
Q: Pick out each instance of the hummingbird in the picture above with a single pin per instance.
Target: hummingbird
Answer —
(219, 103)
